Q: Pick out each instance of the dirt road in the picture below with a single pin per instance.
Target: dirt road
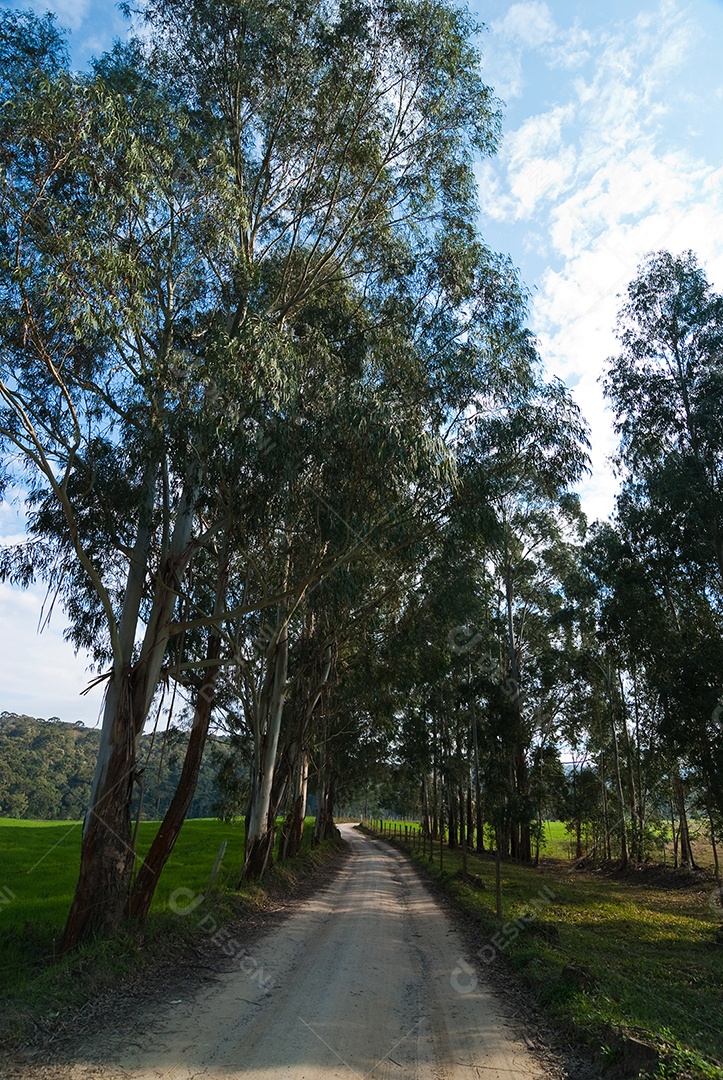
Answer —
(363, 982)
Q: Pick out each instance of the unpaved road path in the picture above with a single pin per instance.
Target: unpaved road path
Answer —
(362, 982)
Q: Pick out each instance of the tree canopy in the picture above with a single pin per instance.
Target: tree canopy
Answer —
(286, 443)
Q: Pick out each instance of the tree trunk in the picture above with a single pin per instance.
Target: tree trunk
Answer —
(498, 877)
(606, 815)
(713, 842)
(480, 838)
(576, 815)
(686, 851)
(139, 901)
(324, 827)
(442, 829)
(521, 834)
(107, 856)
(292, 833)
(462, 833)
(426, 817)
(106, 862)
(293, 829)
(618, 777)
(435, 789)
(260, 833)
(642, 808)
(673, 828)
(636, 833)
(452, 818)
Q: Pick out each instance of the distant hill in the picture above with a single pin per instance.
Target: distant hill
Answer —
(46, 767)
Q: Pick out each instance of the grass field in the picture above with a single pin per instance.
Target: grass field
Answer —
(39, 865)
(645, 950)
(558, 843)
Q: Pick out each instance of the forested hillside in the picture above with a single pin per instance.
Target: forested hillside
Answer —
(46, 768)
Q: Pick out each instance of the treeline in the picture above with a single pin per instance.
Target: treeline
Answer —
(46, 768)
(544, 668)
(244, 313)
(286, 444)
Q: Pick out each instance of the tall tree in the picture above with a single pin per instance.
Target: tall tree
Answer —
(167, 221)
(665, 386)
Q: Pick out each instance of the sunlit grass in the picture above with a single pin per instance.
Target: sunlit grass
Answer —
(40, 863)
(649, 954)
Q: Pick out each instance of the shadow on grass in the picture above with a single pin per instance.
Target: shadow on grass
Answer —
(604, 958)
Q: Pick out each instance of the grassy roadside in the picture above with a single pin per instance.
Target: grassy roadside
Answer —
(36, 993)
(610, 960)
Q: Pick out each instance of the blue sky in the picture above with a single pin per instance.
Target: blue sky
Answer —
(612, 147)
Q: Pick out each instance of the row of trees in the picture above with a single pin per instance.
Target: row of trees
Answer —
(243, 315)
(283, 438)
(533, 641)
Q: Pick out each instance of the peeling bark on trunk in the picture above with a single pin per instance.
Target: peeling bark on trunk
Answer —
(139, 901)
(261, 827)
(107, 856)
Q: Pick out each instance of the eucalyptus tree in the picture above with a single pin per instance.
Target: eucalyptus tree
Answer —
(166, 221)
(658, 622)
(106, 412)
(665, 387)
(519, 462)
(519, 447)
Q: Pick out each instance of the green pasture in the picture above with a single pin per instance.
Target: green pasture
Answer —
(38, 871)
(40, 861)
(559, 843)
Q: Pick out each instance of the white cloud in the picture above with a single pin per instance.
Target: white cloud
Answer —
(71, 13)
(530, 23)
(527, 25)
(540, 165)
(602, 179)
(570, 49)
(530, 27)
(502, 69)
